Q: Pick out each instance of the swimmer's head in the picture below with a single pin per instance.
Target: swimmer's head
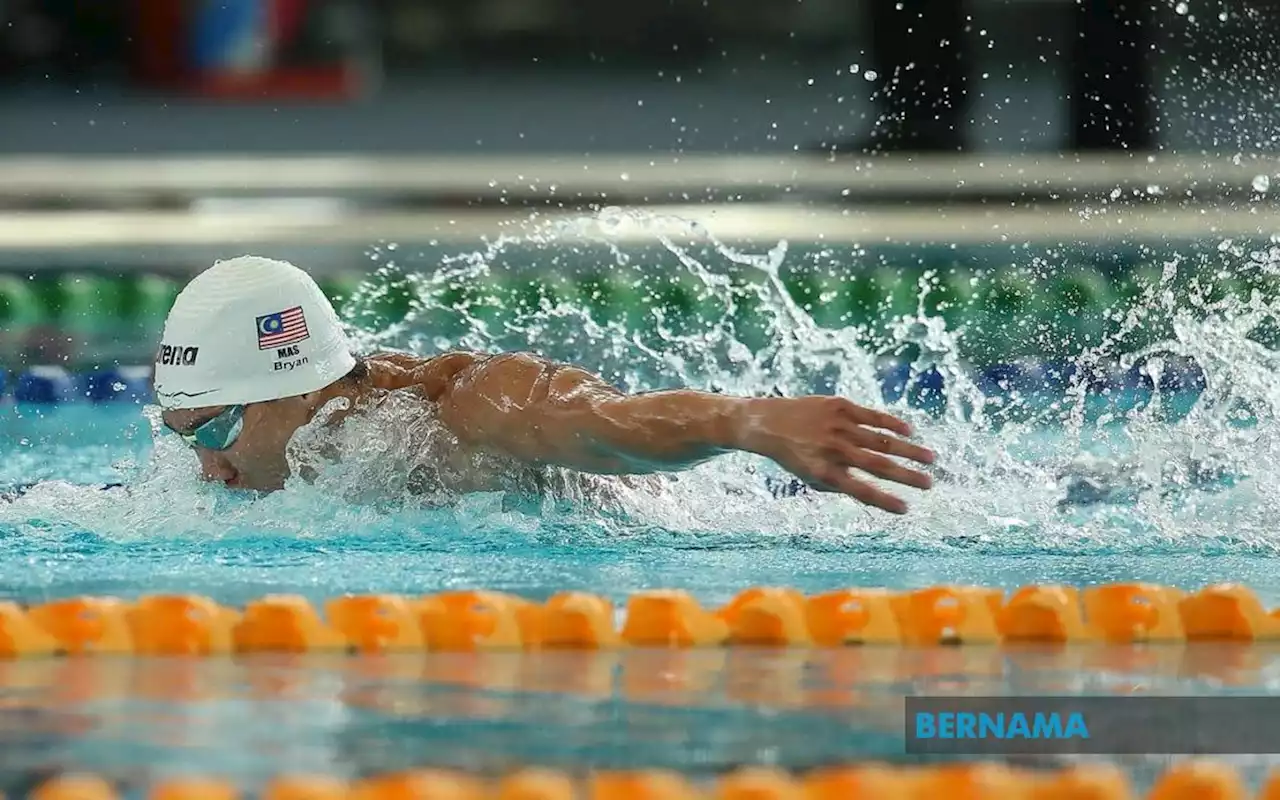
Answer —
(250, 350)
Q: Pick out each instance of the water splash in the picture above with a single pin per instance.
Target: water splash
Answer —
(1114, 443)
(1120, 443)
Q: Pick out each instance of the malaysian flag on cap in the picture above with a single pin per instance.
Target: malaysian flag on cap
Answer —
(281, 328)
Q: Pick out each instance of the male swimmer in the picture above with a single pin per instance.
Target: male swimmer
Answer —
(252, 349)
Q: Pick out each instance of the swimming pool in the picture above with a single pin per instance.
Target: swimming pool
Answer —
(1138, 477)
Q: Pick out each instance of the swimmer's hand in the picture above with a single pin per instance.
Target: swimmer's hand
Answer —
(819, 439)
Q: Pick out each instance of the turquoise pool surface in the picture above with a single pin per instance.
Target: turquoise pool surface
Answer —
(167, 532)
(701, 712)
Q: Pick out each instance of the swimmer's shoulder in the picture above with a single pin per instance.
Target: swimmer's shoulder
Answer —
(435, 376)
(432, 375)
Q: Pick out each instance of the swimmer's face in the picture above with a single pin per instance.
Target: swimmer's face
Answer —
(255, 458)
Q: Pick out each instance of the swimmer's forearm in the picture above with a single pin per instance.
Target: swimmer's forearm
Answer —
(662, 430)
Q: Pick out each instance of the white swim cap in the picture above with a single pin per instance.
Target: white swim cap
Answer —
(248, 330)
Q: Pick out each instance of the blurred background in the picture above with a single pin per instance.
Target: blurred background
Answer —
(569, 76)
(141, 139)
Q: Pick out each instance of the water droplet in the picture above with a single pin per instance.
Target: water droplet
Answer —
(1181, 8)
(610, 219)
(871, 75)
(1261, 183)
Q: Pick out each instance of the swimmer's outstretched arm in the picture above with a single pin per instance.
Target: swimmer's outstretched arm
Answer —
(554, 414)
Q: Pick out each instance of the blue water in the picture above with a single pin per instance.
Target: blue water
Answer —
(62, 538)
(1173, 483)
(700, 712)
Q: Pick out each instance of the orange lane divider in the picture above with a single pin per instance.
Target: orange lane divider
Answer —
(21, 636)
(948, 615)
(862, 780)
(1044, 613)
(418, 785)
(767, 616)
(75, 787)
(1201, 780)
(1135, 612)
(1228, 612)
(759, 783)
(536, 784)
(478, 620)
(1191, 780)
(376, 623)
(1085, 782)
(305, 787)
(853, 616)
(639, 785)
(576, 620)
(85, 625)
(182, 625)
(193, 789)
(287, 624)
(671, 618)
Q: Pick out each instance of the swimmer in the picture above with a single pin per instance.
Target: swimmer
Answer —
(252, 349)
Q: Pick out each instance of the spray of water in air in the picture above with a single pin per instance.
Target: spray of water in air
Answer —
(1134, 421)
(1143, 420)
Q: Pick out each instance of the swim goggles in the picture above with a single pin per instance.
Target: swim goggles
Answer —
(218, 433)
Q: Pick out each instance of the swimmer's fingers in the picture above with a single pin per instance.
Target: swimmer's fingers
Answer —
(881, 467)
(882, 443)
(837, 479)
(874, 419)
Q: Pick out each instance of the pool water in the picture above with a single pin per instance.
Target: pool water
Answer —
(1169, 481)
(168, 532)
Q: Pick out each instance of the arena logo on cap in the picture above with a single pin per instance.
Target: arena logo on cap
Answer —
(176, 355)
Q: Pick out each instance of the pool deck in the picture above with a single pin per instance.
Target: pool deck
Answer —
(327, 211)
(634, 178)
(329, 240)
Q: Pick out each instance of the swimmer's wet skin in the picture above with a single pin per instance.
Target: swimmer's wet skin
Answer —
(252, 349)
